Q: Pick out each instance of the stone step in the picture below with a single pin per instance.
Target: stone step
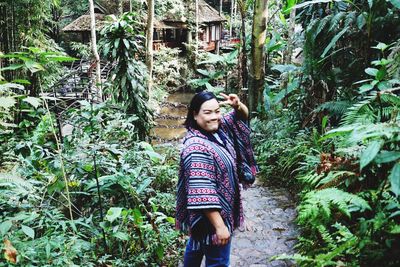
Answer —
(179, 111)
(168, 122)
(168, 134)
(180, 98)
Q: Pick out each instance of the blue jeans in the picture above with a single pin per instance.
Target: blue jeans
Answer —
(216, 256)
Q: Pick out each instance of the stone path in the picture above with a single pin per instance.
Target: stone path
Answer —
(269, 212)
(269, 228)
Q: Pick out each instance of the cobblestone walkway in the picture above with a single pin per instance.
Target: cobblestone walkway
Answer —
(269, 228)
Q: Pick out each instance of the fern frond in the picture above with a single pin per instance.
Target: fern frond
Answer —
(320, 25)
(335, 21)
(317, 206)
(334, 107)
(334, 178)
(14, 180)
(351, 18)
(326, 237)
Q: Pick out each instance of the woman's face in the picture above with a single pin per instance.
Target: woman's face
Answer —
(209, 116)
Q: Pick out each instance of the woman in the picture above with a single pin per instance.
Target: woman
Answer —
(209, 207)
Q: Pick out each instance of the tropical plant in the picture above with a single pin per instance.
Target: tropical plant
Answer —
(122, 42)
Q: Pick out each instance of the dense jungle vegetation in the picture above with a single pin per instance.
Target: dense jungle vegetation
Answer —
(323, 85)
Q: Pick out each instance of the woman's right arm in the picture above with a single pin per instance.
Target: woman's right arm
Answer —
(221, 230)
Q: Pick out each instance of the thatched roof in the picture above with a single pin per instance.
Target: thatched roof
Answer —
(82, 24)
(159, 24)
(208, 14)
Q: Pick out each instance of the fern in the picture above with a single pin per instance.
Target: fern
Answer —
(334, 178)
(14, 180)
(335, 21)
(368, 110)
(337, 108)
(316, 207)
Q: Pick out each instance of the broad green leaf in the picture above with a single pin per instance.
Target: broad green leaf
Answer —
(34, 101)
(21, 81)
(12, 67)
(387, 156)
(28, 231)
(7, 102)
(204, 72)
(138, 216)
(334, 40)
(146, 146)
(361, 21)
(384, 85)
(381, 73)
(285, 68)
(59, 58)
(324, 121)
(371, 71)
(395, 229)
(122, 236)
(33, 66)
(154, 156)
(113, 214)
(144, 185)
(171, 220)
(365, 88)
(126, 43)
(160, 252)
(395, 3)
(369, 153)
(5, 227)
(12, 85)
(344, 130)
(394, 178)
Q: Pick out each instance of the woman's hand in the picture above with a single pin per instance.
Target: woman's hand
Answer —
(231, 99)
(222, 235)
(234, 101)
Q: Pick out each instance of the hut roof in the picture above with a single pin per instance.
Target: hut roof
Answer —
(160, 24)
(208, 14)
(82, 24)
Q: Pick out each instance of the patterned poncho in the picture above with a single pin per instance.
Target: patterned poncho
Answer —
(208, 178)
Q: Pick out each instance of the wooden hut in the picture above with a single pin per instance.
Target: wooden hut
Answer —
(167, 32)
(80, 28)
(171, 32)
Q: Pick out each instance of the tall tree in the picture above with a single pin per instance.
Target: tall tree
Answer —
(257, 68)
(197, 26)
(94, 48)
(243, 77)
(149, 40)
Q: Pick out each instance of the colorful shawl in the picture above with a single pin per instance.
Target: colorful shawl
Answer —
(208, 178)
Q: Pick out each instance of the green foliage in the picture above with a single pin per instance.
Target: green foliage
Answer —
(317, 206)
(136, 186)
(122, 42)
(217, 67)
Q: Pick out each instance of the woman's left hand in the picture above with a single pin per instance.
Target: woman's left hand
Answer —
(231, 99)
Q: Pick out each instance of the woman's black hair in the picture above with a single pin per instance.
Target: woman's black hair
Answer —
(194, 107)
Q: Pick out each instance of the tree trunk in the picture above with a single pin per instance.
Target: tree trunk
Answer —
(243, 54)
(94, 49)
(197, 27)
(287, 59)
(232, 18)
(257, 68)
(149, 41)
